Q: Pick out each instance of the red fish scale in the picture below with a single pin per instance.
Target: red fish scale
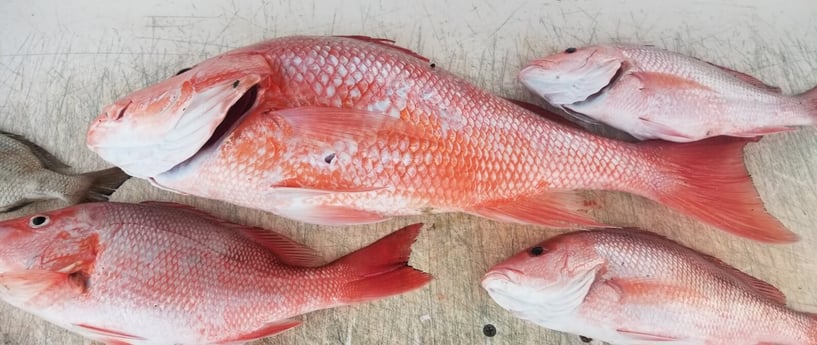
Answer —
(463, 147)
(177, 268)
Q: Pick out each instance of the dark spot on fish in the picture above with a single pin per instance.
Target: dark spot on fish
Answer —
(585, 339)
(235, 84)
(536, 251)
(570, 50)
(489, 330)
(80, 280)
(329, 158)
(39, 220)
(433, 65)
(183, 70)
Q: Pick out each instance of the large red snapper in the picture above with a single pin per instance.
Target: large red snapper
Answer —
(162, 273)
(350, 130)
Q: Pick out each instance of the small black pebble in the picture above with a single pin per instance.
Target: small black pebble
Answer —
(329, 158)
(489, 330)
(536, 251)
(235, 84)
(570, 50)
(585, 339)
(433, 65)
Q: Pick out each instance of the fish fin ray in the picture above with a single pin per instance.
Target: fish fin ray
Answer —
(325, 124)
(647, 291)
(663, 81)
(330, 215)
(287, 250)
(665, 131)
(746, 78)
(47, 159)
(110, 336)
(104, 183)
(646, 336)
(708, 180)
(559, 209)
(267, 330)
(381, 269)
(387, 43)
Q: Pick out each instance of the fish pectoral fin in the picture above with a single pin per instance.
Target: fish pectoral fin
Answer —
(328, 125)
(747, 78)
(647, 291)
(663, 131)
(267, 330)
(22, 286)
(329, 214)
(106, 335)
(646, 336)
(665, 82)
(553, 208)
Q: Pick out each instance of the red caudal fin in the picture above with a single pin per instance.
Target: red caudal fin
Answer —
(381, 269)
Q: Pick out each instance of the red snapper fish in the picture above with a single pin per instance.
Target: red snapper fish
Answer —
(636, 288)
(162, 273)
(352, 130)
(653, 93)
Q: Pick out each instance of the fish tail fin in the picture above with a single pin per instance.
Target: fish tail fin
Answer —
(381, 269)
(103, 183)
(709, 181)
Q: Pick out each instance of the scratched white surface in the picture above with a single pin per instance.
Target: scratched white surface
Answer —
(60, 61)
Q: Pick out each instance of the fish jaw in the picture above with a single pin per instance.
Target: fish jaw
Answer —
(150, 136)
(571, 78)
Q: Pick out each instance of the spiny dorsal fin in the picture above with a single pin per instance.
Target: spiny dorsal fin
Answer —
(287, 250)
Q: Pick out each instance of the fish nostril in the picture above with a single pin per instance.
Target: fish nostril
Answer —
(119, 114)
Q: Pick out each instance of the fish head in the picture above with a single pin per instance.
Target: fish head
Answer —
(55, 241)
(574, 75)
(154, 129)
(543, 282)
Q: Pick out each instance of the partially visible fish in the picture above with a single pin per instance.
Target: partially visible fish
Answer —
(29, 173)
(653, 93)
(353, 130)
(163, 273)
(629, 286)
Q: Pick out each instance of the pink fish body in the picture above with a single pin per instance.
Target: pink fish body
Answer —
(634, 287)
(352, 130)
(653, 93)
(161, 273)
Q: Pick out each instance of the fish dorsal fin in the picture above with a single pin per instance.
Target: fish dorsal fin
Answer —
(760, 287)
(263, 332)
(325, 124)
(46, 158)
(288, 251)
(747, 78)
(387, 43)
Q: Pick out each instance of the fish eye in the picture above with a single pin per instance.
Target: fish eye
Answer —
(570, 50)
(183, 70)
(38, 221)
(536, 251)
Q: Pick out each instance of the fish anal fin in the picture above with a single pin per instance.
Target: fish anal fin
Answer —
(645, 336)
(263, 332)
(108, 335)
(388, 43)
(664, 131)
(557, 209)
(747, 78)
(664, 81)
(287, 250)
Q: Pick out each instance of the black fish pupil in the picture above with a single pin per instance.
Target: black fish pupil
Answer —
(489, 330)
(570, 50)
(536, 251)
(37, 221)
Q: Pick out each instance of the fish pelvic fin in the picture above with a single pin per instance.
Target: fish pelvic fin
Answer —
(381, 269)
(103, 184)
(709, 181)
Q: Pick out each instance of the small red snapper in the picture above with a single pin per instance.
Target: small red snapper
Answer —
(634, 287)
(653, 93)
(162, 273)
(351, 130)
